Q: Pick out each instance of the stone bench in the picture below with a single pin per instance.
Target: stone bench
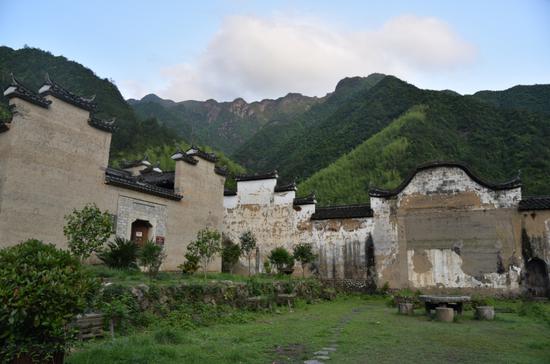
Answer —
(285, 299)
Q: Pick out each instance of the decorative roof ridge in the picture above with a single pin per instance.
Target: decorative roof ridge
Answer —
(196, 151)
(228, 192)
(222, 171)
(140, 186)
(306, 200)
(379, 192)
(17, 89)
(136, 163)
(254, 177)
(181, 156)
(286, 188)
(50, 87)
(342, 212)
(102, 124)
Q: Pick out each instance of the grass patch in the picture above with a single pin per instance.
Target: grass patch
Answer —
(375, 333)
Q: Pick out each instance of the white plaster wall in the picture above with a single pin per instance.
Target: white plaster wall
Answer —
(453, 180)
(230, 202)
(284, 198)
(258, 192)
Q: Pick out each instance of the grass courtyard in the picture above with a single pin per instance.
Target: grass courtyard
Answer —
(374, 333)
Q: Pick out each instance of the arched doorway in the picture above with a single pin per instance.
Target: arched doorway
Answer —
(536, 277)
(140, 231)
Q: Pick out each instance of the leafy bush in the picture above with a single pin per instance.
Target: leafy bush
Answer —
(121, 254)
(42, 289)
(151, 256)
(87, 230)
(248, 244)
(167, 336)
(191, 264)
(303, 253)
(281, 259)
(230, 255)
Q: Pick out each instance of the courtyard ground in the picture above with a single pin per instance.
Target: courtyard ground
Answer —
(362, 330)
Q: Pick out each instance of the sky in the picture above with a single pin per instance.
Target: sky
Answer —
(224, 49)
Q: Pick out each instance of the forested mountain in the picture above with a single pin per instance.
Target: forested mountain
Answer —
(225, 125)
(133, 138)
(534, 98)
(496, 142)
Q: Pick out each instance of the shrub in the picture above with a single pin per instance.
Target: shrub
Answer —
(87, 230)
(281, 259)
(151, 256)
(191, 264)
(206, 247)
(248, 244)
(120, 254)
(167, 336)
(303, 253)
(230, 254)
(42, 289)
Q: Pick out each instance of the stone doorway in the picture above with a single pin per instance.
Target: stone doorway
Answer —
(536, 277)
(140, 231)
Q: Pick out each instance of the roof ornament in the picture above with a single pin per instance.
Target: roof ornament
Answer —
(47, 79)
(89, 99)
(14, 81)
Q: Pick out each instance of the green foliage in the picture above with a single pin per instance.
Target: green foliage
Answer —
(529, 98)
(42, 289)
(151, 256)
(303, 253)
(247, 241)
(167, 336)
(230, 254)
(191, 264)
(87, 230)
(120, 254)
(206, 247)
(281, 259)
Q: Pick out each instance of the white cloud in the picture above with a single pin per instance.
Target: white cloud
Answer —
(255, 58)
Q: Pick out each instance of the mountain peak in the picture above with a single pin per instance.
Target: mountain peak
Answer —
(351, 83)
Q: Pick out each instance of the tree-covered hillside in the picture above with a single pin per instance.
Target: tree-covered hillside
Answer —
(495, 142)
(534, 98)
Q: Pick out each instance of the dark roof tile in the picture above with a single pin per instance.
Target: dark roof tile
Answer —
(256, 177)
(227, 192)
(16, 89)
(105, 125)
(123, 179)
(286, 188)
(51, 88)
(307, 200)
(342, 212)
(535, 203)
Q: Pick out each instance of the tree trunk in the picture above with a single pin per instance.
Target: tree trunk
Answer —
(249, 258)
(303, 271)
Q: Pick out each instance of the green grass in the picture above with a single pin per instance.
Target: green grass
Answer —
(375, 334)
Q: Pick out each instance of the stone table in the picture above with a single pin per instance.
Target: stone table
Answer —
(454, 302)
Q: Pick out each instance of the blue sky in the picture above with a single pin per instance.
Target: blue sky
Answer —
(258, 49)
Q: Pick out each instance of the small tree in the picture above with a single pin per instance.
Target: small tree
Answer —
(230, 254)
(151, 256)
(87, 230)
(191, 264)
(303, 253)
(281, 259)
(207, 245)
(248, 244)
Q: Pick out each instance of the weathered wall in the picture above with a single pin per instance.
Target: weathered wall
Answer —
(445, 230)
(276, 222)
(52, 162)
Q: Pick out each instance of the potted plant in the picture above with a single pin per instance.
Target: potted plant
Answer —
(42, 289)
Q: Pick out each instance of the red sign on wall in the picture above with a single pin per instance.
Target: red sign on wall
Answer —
(159, 240)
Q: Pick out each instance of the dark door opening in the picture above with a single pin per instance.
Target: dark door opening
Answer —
(536, 277)
(140, 231)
